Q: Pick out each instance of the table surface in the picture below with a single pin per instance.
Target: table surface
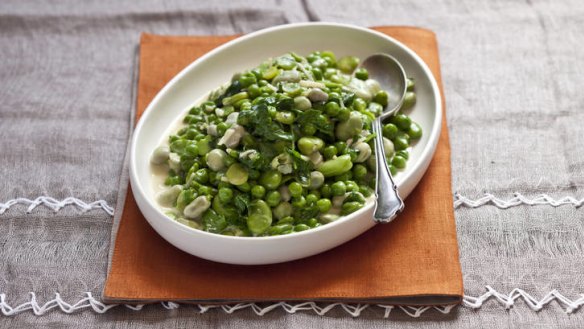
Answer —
(512, 74)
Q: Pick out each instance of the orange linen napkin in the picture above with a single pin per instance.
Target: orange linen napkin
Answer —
(413, 260)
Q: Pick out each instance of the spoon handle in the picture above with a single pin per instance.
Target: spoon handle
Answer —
(389, 204)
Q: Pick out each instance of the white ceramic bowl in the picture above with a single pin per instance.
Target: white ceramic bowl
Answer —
(217, 67)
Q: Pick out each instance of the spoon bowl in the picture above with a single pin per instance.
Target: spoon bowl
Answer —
(391, 77)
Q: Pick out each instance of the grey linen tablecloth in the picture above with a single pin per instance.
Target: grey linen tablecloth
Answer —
(513, 80)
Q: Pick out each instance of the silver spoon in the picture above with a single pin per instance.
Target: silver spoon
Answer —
(392, 78)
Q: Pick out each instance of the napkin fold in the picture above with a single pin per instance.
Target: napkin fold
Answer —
(411, 261)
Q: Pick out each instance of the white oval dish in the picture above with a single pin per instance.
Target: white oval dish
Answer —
(212, 70)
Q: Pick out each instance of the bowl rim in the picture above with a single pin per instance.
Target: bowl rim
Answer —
(434, 136)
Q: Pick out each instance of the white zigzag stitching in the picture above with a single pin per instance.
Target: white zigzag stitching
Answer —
(459, 201)
(353, 310)
(517, 200)
(56, 205)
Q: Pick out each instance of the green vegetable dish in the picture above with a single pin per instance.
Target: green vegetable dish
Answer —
(284, 147)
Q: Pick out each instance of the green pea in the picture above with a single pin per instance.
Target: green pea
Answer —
(301, 227)
(225, 195)
(324, 205)
(285, 117)
(286, 220)
(258, 191)
(409, 100)
(392, 169)
(352, 186)
(402, 121)
(237, 174)
(271, 179)
(398, 162)
(338, 188)
(332, 109)
(247, 79)
(295, 189)
(337, 166)
(348, 64)
(381, 97)
(308, 129)
(270, 73)
(362, 74)
(202, 175)
(344, 114)
(350, 207)
(317, 73)
(299, 202)
(204, 145)
(221, 128)
(411, 83)
(273, 198)
(341, 146)
(309, 145)
(326, 191)
(280, 229)
(259, 218)
(253, 91)
(205, 190)
(365, 190)
(359, 171)
(313, 222)
(415, 131)
(400, 143)
(329, 152)
(311, 199)
(359, 104)
(390, 131)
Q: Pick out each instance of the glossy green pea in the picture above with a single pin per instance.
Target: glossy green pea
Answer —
(365, 190)
(398, 162)
(344, 114)
(271, 179)
(299, 202)
(301, 227)
(332, 109)
(311, 199)
(402, 121)
(308, 129)
(329, 152)
(202, 175)
(341, 146)
(409, 100)
(400, 143)
(204, 145)
(273, 198)
(410, 84)
(338, 188)
(359, 104)
(259, 217)
(415, 131)
(295, 189)
(324, 205)
(270, 73)
(258, 191)
(390, 130)
(253, 91)
(392, 169)
(359, 171)
(326, 191)
(381, 97)
(351, 186)
(205, 190)
(247, 79)
(350, 207)
(362, 74)
(221, 128)
(313, 222)
(225, 195)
